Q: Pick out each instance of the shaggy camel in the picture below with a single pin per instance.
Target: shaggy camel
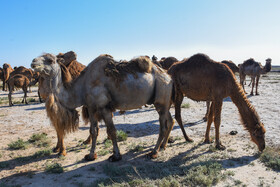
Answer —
(2, 75)
(19, 81)
(104, 86)
(7, 70)
(202, 79)
(254, 70)
(44, 90)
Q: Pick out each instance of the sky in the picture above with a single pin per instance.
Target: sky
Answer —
(224, 30)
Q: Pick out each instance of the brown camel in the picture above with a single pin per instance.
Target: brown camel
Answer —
(166, 63)
(104, 86)
(7, 70)
(254, 70)
(2, 76)
(26, 72)
(202, 79)
(44, 90)
(19, 81)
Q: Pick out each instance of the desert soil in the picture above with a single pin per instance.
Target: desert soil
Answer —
(142, 126)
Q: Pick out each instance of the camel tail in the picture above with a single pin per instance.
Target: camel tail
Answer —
(249, 117)
(85, 114)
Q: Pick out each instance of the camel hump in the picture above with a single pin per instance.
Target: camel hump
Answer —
(119, 70)
(250, 62)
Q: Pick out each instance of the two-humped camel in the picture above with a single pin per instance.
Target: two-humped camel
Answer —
(202, 79)
(106, 85)
(254, 70)
(44, 91)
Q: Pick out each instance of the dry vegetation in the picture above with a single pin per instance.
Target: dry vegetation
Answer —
(27, 139)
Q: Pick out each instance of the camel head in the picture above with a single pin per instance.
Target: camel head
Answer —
(268, 65)
(258, 136)
(67, 57)
(46, 65)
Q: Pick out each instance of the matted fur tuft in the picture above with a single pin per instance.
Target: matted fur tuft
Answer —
(119, 70)
(63, 119)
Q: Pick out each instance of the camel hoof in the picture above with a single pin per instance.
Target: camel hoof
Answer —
(88, 157)
(251, 94)
(115, 158)
(208, 141)
(152, 155)
(62, 154)
(55, 150)
(257, 94)
(204, 119)
(220, 147)
(189, 140)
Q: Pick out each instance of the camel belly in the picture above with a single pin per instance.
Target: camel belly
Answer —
(133, 92)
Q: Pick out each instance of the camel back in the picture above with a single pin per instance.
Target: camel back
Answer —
(119, 70)
(250, 62)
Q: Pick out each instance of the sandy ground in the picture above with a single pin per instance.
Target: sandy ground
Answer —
(21, 121)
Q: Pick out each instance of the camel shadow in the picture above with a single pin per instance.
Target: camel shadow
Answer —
(133, 112)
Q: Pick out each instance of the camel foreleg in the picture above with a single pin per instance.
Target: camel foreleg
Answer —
(25, 95)
(257, 84)
(253, 84)
(60, 147)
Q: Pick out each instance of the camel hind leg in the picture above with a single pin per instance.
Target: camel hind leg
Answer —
(166, 125)
(24, 88)
(217, 122)
(178, 101)
(10, 87)
(209, 122)
(253, 84)
(257, 84)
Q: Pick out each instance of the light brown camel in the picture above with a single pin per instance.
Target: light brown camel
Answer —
(7, 69)
(202, 79)
(103, 87)
(19, 81)
(254, 70)
(44, 90)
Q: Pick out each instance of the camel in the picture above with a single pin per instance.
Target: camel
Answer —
(2, 75)
(254, 70)
(7, 70)
(202, 79)
(103, 87)
(166, 63)
(26, 72)
(19, 81)
(44, 90)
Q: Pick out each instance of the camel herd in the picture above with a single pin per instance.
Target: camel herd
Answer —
(106, 85)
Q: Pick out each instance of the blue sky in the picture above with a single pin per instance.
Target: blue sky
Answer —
(224, 30)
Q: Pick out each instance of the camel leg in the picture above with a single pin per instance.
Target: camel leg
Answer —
(10, 94)
(257, 84)
(94, 131)
(166, 124)
(88, 140)
(209, 122)
(170, 123)
(112, 135)
(217, 122)
(25, 95)
(253, 84)
(207, 110)
(242, 79)
(178, 101)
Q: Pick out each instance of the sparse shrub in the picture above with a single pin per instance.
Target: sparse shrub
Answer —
(108, 143)
(19, 144)
(185, 105)
(42, 153)
(121, 136)
(135, 148)
(271, 158)
(40, 140)
(103, 152)
(31, 100)
(54, 168)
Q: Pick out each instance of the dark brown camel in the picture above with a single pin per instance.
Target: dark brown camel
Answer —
(254, 70)
(26, 72)
(202, 79)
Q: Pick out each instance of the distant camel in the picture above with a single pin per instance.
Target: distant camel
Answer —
(202, 79)
(167, 62)
(104, 86)
(26, 72)
(2, 76)
(19, 81)
(7, 70)
(254, 70)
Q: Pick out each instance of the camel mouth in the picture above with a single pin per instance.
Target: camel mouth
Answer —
(37, 68)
